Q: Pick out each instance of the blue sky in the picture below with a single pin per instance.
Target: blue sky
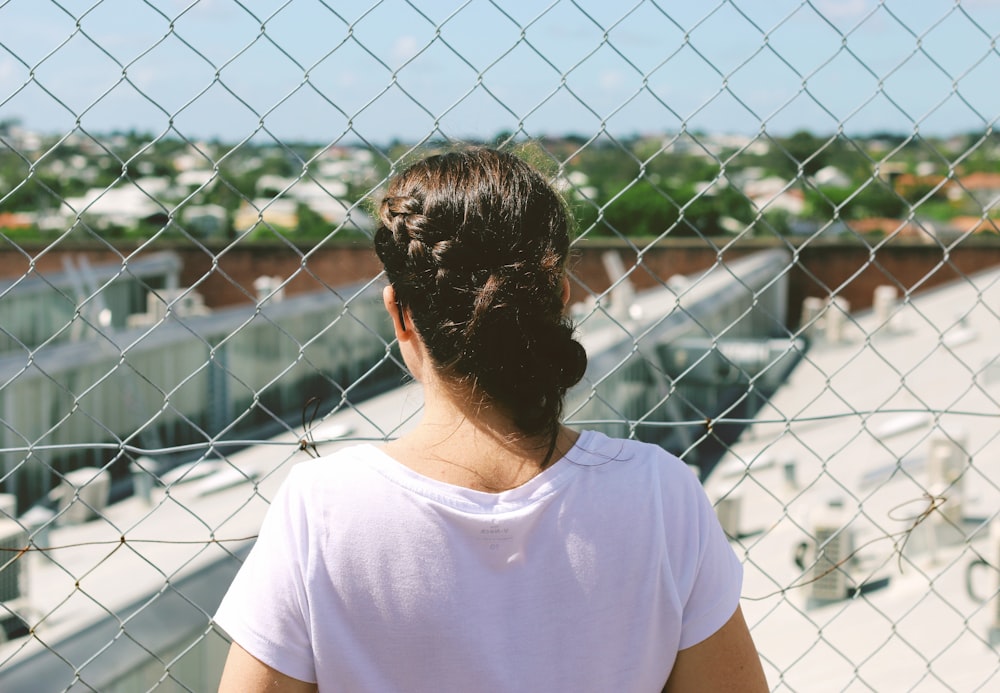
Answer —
(348, 69)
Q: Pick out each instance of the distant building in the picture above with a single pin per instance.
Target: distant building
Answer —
(204, 220)
(123, 206)
(774, 193)
(281, 213)
(325, 197)
(15, 220)
(195, 178)
(969, 224)
(831, 176)
(983, 187)
(901, 228)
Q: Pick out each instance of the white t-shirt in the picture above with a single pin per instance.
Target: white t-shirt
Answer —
(368, 576)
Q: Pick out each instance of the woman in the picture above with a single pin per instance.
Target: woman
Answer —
(491, 549)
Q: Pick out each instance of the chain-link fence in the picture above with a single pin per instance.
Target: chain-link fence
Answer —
(787, 273)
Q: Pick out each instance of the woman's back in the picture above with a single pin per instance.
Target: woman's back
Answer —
(585, 578)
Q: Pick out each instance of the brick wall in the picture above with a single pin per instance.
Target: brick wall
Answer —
(226, 276)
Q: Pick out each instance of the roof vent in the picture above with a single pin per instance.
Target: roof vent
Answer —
(824, 317)
(812, 315)
(947, 460)
(836, 314)
(884, 306)
(622, 292)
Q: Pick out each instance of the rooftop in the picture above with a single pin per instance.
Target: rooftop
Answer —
(886, 438)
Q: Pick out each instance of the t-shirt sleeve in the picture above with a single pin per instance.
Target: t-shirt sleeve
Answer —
(265, 610)
(712, 579)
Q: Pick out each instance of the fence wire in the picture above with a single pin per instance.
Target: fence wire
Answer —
(805, 312)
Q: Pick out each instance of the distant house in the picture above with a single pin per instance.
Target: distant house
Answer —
(124, 206)
(831, 176)
(281, 213)
(326, 198)
(901, 228)
(323, 197)
(773, 193)
(204, 220)
(15, 220)
(195, 178)
(966, 225)
(270, 185)
(910, 186)
(983, 187)
(343, 164)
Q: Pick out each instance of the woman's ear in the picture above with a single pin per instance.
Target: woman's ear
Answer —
(396, 311)
(566, 290)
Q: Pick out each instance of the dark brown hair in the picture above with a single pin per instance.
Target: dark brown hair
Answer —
(475, 244)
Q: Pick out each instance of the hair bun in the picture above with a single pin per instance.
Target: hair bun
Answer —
(528, 362)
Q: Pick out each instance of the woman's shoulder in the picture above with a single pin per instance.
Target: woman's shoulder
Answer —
(349, 465)
(634, 464)
(337, 486)
(597, 449)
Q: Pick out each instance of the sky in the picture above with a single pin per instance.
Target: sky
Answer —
(347, 70)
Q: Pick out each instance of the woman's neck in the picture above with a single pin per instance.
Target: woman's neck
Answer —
(474, 445)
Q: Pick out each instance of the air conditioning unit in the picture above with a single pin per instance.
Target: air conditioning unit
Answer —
(812, 316)
(623, 293)
(826, 558)
(13, 539)
(82, 494)
(834, 547)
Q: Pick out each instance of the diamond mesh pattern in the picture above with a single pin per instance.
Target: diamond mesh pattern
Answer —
(152, 394)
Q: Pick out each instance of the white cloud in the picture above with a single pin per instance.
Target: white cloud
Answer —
(6, 70)
(346, 79)
(610, 79)
(404, 48)
(844, 9)
(144, 77)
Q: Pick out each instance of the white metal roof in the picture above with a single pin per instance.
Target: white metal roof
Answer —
(855, 421)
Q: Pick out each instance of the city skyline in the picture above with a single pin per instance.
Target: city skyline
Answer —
(309, 71)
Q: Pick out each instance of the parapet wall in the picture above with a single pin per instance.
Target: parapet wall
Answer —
(851, 270)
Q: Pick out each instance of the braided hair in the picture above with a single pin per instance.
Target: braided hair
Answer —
(475, 243)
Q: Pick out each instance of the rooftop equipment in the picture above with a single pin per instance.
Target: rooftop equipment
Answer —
(825, 559)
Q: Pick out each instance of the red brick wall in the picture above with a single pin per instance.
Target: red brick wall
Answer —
(849, 270)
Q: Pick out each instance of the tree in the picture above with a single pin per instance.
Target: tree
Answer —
(874, 200)
(801, 150)
(642, 210)
(706, 212)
